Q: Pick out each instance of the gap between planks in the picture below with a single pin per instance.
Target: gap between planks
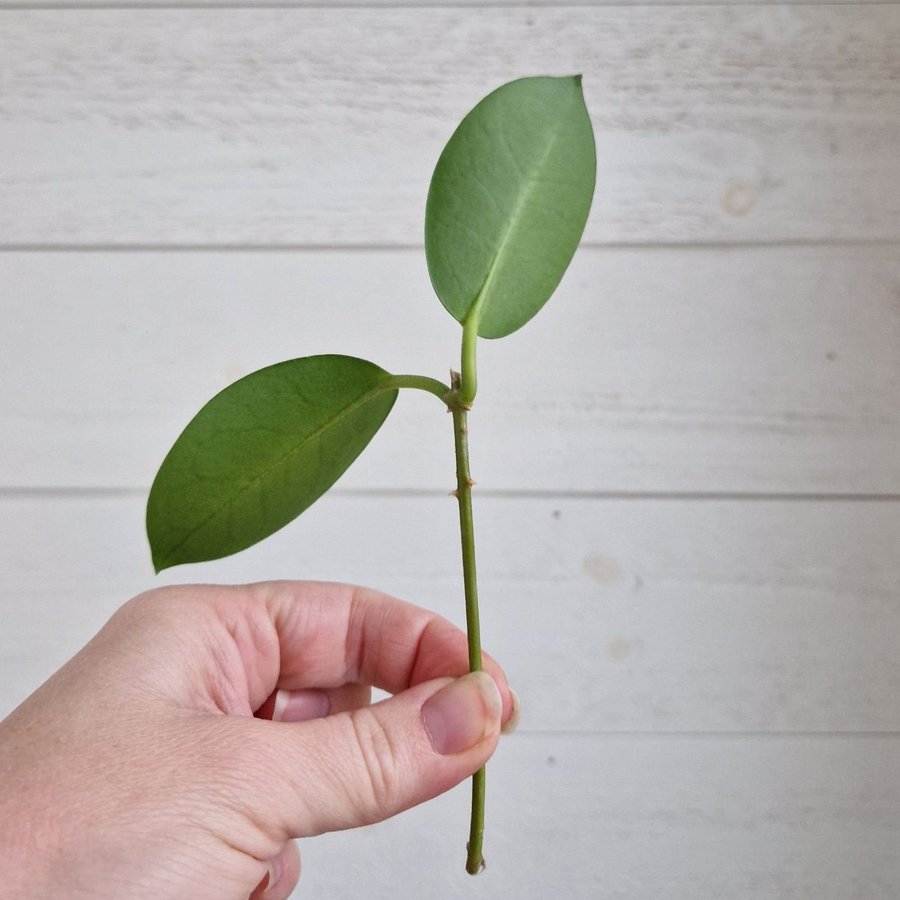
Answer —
(309, 247)
(738, 735)
(89, 5)
(9, 492)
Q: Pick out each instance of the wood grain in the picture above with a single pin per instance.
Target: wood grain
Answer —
(645, 818)
(689, 465)
(703, 371)
(393, 4)
(610, 615)
(240, 126)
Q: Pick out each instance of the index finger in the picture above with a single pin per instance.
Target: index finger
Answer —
(332, 634)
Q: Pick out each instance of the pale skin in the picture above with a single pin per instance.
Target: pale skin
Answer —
(149, 766)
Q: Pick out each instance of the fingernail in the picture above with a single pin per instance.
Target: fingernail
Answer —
(274, 872)
(512, 723)
(298, 706)
(463, 713)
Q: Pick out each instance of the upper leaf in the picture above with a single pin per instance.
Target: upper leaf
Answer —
(508, 202)
(262, 451)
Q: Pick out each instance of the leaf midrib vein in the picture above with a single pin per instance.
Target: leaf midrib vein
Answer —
(531, 182)
(253, 482)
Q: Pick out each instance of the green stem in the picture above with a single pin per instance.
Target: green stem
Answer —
(458, 399)
(467, 534)
(468, 384)
(422, 383)
(475, 859)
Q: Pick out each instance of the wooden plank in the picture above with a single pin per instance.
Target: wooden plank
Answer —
(609, 616)
(668, 370)
(642, 818)
(240, 126)
(400, 4)
(394, 4)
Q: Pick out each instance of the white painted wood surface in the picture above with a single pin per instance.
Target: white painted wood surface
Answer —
(702, 370)
(629, 615)
(390, 4)
(690, 567)
(650, 817)
(298, 126)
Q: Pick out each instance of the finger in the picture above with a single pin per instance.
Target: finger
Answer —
(309, 703)
(332, 634)
(282, 875)
(359, 767)
(249, 640)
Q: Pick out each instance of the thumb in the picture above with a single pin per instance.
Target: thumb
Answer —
(368, 764)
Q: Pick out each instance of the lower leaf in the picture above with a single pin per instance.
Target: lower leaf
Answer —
(261, 452)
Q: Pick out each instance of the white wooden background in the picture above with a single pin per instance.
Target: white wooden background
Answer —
(688, 464)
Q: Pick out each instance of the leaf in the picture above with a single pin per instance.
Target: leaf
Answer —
(508, 202)
(262, 451)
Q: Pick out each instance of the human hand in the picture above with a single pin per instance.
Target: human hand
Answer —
(139, 769)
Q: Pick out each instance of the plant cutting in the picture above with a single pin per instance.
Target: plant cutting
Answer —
(506, 208)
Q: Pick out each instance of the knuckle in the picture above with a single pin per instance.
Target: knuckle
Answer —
(381, 762)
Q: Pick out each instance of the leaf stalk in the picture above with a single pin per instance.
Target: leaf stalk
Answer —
(423, 383)
(468, 381)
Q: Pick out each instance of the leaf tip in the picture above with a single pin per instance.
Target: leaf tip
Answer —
(158, 557)
(158, 564)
